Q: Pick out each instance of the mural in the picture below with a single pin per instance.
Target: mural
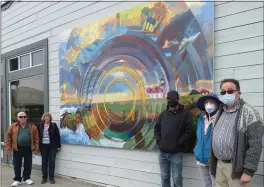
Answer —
(115, 72)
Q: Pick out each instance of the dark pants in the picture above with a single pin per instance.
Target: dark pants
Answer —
(48, 155)
(26, 154)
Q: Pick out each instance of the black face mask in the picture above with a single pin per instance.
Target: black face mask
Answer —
(173, 103)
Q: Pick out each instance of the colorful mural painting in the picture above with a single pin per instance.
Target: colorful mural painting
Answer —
(115, 72)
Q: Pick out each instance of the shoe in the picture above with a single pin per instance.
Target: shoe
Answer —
(16, 183)
(43, 181)
(52, 181)
(29, 182)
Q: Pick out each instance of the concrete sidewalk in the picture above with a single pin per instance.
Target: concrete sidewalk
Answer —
(7, 174)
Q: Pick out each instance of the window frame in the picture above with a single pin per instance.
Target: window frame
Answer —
(1, 88)
(32, 71)
(30, 61)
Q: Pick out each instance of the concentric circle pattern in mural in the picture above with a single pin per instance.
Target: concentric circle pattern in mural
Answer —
(115, 72)
(120, 74)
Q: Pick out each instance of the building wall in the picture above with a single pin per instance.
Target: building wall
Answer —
(238, 54)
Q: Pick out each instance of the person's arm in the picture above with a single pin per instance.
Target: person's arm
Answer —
(254, 140)
(36, 140)
(38, 126)
(57, 135)
(187, 130)
(157, 130)
(8, 141)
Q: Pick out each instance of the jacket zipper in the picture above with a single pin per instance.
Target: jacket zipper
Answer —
(203, 145)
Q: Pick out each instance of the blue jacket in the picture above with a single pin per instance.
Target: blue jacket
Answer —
(203, 143)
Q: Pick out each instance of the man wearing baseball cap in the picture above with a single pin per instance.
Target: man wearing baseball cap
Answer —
(173, 129)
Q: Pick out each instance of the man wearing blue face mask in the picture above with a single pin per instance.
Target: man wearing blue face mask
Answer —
(236, 139)
(173, 129)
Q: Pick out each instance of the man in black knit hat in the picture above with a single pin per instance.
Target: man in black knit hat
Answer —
(173, 129)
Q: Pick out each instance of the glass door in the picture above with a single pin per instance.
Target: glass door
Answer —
(27, 95)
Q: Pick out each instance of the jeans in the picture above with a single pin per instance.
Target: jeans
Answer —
(171, 163)
(207, 179)
(26, 154)
(48, 155)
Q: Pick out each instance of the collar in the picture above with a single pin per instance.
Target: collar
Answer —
(17, 124)
(212, 114)
(177, 109)
(173, 109)
(24, 126)
(212, 118)
(237, 106)
(42, 125)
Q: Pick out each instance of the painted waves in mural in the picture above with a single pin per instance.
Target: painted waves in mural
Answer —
(115, 72)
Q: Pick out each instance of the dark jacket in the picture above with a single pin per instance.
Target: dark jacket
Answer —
(248, 142)
(54, 135)
(173, 129)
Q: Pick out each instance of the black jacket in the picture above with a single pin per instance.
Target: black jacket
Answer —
(54, 135)
(173, 130)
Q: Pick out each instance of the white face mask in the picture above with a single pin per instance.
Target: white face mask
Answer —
(228, 99)
(210, 107)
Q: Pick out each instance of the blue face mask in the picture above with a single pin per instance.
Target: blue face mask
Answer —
(228, 99)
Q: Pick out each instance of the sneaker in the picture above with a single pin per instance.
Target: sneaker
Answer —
(29, 182)
(16, 183)
(52, 181)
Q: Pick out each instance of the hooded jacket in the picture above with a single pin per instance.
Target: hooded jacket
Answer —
(173, 129)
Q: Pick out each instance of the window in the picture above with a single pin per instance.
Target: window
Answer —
(13, 63)
(37, 58)
(24, 61)
(27, 95)
(28, 60)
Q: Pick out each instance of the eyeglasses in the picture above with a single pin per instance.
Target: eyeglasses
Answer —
(228, 92)
(22, 117)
